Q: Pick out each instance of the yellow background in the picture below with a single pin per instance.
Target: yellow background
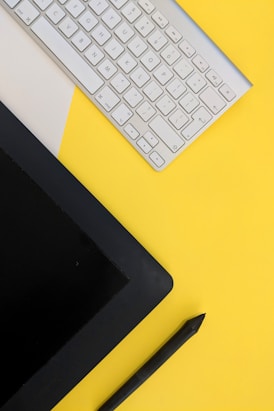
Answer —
(208, 218)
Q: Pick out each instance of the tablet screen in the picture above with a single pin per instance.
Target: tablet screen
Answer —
(53, 279)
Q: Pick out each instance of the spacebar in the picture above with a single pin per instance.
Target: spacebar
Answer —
(67, 55)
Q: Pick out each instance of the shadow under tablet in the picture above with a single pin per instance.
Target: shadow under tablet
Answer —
(73, 281)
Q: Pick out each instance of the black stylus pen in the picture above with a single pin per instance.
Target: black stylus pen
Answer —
(189, 328)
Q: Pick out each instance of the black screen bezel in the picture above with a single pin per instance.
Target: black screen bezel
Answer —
(149, 281)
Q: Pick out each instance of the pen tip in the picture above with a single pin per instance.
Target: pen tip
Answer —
(196, 322)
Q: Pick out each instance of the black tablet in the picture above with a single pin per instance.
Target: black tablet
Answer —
(73, 281)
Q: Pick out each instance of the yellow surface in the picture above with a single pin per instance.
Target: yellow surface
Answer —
(208, 218)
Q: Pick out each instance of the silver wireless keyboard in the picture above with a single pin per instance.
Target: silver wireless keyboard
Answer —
(145, 64)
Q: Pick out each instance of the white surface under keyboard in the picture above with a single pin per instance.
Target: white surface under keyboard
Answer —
(161, 86)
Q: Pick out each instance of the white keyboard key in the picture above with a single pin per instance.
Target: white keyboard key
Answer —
(157, 159)
(43, 4)
(94, 55)
(147, 6)
(137, 46)
(131, 131)
(124, 32)
(80, 40)
(131, 12)
(101, 34)
(227, 92)
(68, 27)
(173, 34)
(111, 18)
(200, 118)
(200, 63)
(75, 7)
(140, 77)
(98, 6)
(165, 105)
(143, 144)
(146, 111)
(163, 74)
(160, 19)
(107, 69)
(170, 54)
(133, 97)
(120, 83)
(157, 40)
(187, 49)
(151, 139)
(212, 100)
(183, 69)
(150, 60)
(166, 133)
(118, 3)
(214, 78)
(122, 114)
(189, 102)
(55, 13)
(67, 55)
(196, 82)
(27, 12)
(107, 99)
(88, 21)
(144, 26)
(153, 91)
(127, 63)
(176, 88)
(114, 49)
(178, 119)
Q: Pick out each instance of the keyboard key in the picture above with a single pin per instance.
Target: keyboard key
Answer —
(153, 91)
(133, 97)
(143, 144)
(189, 102)
(144, 26)
(88, 21)
(124, 32)
(146, 5)
(160, 19)
(187, 49)
(214, 78)
(122, 114)
(196, 82)
(173, 34)
(176, 88)
(80, 40)
(200, 63)
(43, 4)
(131, 131)
(163, 74)
(131, 12)
(150, 60)
(140, 77)
(107, 98)
(120, 83)
(75, 7)
(55, 13)
(157, 159)
(111, 18)
(107, 69)
(178, 119)
(227, 92)
(98, 6)
(212, 100)
(94, 55)
(101, 34)
(127, 63)
(151, 139)
(68, 27)
(137, 46)
(146, 111)
(114, 49)
(27, 12)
